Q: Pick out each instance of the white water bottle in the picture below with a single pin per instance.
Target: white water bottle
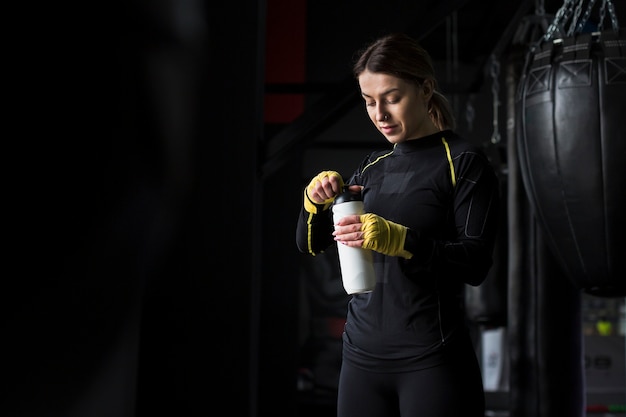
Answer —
(357, 268)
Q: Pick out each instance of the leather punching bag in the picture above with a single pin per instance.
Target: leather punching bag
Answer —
(572, 146)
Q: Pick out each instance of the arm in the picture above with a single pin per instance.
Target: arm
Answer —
(315, 226)
(314, 231)
(467, 252)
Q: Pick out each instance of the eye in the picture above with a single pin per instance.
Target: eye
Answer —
(370, 103)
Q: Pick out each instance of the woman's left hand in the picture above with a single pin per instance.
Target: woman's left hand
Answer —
(348, 231)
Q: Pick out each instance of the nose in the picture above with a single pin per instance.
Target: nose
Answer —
(381, 114)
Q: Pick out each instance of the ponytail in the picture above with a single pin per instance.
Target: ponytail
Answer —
(441, 112)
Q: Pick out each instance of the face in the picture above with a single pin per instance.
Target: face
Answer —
(398, 108)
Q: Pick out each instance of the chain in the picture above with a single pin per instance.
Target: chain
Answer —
(572, 9)
(495, 90)
(581, 22)
(608, 4)
(577, 11)
(602, 15)
(613, 15)
(562, 16)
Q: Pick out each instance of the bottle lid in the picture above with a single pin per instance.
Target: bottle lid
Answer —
(348, 195)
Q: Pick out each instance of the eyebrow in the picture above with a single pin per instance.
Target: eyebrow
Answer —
(391, 90)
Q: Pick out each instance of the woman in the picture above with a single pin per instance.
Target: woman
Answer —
(431, 205)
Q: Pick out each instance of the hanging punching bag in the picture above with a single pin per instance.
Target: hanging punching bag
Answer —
(571, 128)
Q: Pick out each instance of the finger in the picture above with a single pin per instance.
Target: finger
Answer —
(336, 185)
(351, 219)
(322, 190)
(351, 243)
(316, 195)
(348, 236)
(331, 186)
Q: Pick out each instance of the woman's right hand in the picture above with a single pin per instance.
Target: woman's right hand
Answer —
(326, 185)
(322, 190)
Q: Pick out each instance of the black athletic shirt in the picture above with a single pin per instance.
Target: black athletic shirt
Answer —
(446, 192)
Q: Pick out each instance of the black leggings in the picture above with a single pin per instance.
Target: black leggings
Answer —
(452, 389)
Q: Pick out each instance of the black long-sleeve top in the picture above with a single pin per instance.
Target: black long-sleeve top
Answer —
(446, 192)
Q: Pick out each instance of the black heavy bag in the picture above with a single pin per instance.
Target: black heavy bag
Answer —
(571, 115)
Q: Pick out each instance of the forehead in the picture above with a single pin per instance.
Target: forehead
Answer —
(375, 84)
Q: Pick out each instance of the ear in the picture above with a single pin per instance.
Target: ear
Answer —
(428, 88)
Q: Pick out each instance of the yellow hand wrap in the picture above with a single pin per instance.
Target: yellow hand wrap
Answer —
(384, 236)
(313, 207)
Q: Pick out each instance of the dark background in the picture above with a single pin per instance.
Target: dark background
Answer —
(161, 161)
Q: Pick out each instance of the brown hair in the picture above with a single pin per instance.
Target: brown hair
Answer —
(401, 56)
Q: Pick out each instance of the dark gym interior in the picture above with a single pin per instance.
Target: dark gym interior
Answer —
(156, 267)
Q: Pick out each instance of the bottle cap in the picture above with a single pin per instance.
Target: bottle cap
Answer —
(348, 195)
